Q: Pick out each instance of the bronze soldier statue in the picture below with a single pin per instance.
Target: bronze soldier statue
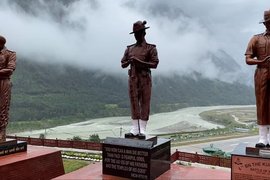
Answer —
(7, 66)
(140, 56)
(258, 53)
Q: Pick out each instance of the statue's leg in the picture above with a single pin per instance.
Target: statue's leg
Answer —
(134, 107)
(261, 83)
(145, 101)
(5, 94)
(2, 135)
(263, 131)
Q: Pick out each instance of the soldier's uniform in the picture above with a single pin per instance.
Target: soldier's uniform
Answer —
(140, 78)
(7, 61)
(257, 52)
(141, 57)
(259, 47)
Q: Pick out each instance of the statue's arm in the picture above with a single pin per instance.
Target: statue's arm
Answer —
(251, 53)
(153, 60)
(125, 60)
(250, 60)
(11, 65)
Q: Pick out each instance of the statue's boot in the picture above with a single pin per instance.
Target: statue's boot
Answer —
(134, 129)
(263, 131)
(2, 135)
(142, 133)
(268, 137)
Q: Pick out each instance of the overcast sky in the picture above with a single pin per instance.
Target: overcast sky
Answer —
(94, 34)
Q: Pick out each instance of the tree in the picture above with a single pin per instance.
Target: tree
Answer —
(42, 136)
(76, 138)
(94, 138)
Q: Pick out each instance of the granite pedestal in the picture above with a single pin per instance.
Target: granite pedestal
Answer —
(136, 159)
(36, 163)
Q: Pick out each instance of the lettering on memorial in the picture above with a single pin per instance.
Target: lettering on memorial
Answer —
(133, 161)
(11, 147)
(122, 158)
(250, 168)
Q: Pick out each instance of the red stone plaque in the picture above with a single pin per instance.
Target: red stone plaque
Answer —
(248, 167)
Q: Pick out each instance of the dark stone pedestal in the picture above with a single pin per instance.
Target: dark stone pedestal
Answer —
(11, 146)
(36, 163)
(250, 163)
(136, 159)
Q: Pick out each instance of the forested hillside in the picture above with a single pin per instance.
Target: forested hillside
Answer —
(43, 91)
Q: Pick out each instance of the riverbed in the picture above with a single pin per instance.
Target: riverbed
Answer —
(182, 120)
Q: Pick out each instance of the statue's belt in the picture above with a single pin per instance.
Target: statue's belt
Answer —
(263, 66)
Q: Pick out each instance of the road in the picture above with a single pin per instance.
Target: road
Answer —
(227, 145)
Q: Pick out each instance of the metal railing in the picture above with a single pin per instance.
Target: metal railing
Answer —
(60, 143)
(202, 159)
(178, 155)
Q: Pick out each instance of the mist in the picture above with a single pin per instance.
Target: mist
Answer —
(92, 34)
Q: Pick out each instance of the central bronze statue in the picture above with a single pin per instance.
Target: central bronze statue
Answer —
(258, 53)
(7, 66)
(140, 57)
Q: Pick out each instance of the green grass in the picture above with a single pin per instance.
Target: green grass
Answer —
(73, 165)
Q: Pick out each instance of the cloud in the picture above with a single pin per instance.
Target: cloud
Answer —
(93, 34)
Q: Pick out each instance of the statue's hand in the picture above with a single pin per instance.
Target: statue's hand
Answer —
(265, 60)
(6, 72)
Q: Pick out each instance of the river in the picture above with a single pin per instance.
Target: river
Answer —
(182, 120)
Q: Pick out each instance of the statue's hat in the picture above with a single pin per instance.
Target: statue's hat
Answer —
(2, 40)
(138, 26)
(266, 16)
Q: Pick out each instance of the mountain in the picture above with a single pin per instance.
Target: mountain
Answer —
(43, 91)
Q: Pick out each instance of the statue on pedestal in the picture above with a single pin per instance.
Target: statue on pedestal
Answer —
(258, 53)
(140, 57)
(7, 67)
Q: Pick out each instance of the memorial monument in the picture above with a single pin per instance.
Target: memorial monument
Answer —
(138, 156)
(140, 57)
(249, 162)
(258, 53)
(7, 67)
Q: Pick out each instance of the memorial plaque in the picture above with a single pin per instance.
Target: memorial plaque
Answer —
(244, 168)
(10, 148)
(136, 159)
(8, 142)
(248, 164)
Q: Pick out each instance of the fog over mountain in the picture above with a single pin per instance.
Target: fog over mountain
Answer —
(203, 36)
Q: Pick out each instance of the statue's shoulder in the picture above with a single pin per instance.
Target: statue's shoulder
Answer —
(259, 35)
(128, 46)
(151, 45)
(10, 51)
